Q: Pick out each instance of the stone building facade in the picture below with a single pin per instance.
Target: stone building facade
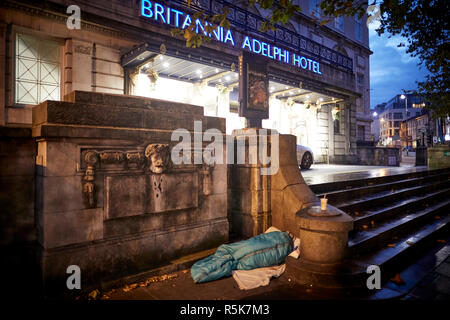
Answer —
(328, 112)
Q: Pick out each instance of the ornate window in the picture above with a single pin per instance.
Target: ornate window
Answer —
(37, 70)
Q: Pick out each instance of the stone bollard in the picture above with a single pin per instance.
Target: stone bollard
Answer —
(323, 234)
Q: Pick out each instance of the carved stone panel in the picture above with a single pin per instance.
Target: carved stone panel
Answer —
(125, 196)
(173, 191)
(143, 194)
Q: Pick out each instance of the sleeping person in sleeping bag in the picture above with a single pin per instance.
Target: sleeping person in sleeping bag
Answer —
(263, 250)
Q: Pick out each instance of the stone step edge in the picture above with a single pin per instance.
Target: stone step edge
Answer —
(79, 96)
(378, 215)
(388, 185)
(404, 292)
(387, 197)
(431, 230)
(374, 180)
(424, 214)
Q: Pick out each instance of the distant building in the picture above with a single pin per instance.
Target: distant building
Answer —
(375, 125)
(421, 130)
(395, 111)
(318, 75)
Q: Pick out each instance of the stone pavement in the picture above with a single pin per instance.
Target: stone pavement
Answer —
(435, 285)
(427, 278)
(326, 173)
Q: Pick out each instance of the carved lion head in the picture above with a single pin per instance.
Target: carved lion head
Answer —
(158, 157)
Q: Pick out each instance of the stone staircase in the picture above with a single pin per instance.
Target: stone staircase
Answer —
(397, 219)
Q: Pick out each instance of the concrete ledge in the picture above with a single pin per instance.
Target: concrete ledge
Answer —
(131, 102)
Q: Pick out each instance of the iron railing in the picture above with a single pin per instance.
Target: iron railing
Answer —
(250, 22)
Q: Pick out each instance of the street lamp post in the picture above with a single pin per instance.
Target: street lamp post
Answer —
(403, 97)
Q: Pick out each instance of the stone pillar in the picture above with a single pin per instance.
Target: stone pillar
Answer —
(323, 234)
(351, 140)
(250, 191)
(259, 201)
(323, 244)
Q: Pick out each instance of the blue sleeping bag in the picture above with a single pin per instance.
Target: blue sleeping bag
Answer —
(264, 250)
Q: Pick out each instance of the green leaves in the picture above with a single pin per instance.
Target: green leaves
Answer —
(425, 25)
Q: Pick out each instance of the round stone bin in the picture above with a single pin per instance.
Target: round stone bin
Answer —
(323, 234)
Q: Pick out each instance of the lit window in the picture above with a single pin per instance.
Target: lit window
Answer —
(37, 72)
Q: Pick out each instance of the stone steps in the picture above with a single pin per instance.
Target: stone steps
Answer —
(329, 187)
(383, 234)
(385, 197)
(334, 197)
(392, 219)
(392, 258)
(398, 208)
(391, 229)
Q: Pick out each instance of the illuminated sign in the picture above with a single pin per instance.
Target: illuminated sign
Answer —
(179, 19)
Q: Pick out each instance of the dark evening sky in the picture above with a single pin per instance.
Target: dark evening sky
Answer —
(391, 68)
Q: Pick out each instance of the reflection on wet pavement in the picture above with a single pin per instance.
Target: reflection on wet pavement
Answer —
(323, 173)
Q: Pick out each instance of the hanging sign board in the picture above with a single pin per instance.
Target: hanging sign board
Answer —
(253, 88)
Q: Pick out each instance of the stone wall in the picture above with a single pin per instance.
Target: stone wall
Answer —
(17, 185)
(439, 156)
(379, 156)
(105, 203)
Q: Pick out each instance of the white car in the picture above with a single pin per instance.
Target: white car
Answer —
(305, 157)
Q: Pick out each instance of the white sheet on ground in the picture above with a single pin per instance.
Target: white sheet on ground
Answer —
(250, 279)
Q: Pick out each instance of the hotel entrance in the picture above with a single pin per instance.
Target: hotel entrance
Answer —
(182, 76)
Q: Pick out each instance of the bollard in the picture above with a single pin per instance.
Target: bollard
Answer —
(323, 234)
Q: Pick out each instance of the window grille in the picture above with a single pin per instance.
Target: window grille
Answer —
(37, 72)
